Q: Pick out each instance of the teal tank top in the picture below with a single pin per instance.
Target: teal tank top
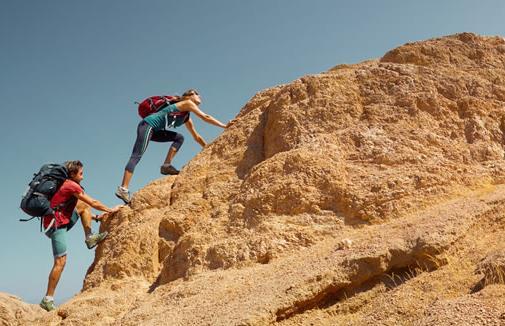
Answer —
(162, 121)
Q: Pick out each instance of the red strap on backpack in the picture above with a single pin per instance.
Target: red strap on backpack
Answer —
(153, 104)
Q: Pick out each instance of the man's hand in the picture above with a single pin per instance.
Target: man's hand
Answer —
(100, 217)
(104, 216)
(116, 208)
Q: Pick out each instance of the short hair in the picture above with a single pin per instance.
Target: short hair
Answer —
(73, 167)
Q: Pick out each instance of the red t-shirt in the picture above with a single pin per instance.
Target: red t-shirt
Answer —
(64, 195)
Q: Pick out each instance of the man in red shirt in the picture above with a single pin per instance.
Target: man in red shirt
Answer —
(69, 204)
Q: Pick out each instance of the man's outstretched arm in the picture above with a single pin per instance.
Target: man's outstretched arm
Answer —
(96, 204)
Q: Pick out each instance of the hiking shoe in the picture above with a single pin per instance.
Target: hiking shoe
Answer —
(94, 239)
(168, 169)
(123, 194)
(47, 305)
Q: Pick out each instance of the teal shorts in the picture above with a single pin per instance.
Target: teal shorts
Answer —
(59, 236)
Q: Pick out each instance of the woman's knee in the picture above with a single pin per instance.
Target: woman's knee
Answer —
(132, 163)
(179, 138)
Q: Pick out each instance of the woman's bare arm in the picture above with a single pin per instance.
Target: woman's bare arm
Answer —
(189, 106)
(191, 128)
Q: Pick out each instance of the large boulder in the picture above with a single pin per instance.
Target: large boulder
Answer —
(368, 194)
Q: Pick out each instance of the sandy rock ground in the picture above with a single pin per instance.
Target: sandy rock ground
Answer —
(13, 311)
(371, 194)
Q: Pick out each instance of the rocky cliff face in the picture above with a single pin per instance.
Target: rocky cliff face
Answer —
(369, 194)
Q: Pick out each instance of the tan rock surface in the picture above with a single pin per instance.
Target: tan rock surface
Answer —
(371, 194)
(13, 311)
(493, 267)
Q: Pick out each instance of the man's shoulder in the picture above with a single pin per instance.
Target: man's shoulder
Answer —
(71, 185)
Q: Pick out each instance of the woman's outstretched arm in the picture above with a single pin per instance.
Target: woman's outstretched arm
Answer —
(188, 105)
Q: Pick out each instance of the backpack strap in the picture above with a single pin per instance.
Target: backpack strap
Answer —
(166, 99)
(167, 126)
(174, 116)
(55, 210)
(151, 104)
(27, 219)
(187, 117)
(62, 205)
(51, 224)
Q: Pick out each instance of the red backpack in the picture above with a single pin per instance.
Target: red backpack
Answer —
(153, 104)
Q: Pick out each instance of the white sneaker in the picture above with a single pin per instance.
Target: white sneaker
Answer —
(123, 194)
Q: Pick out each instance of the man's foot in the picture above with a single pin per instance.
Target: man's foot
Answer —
(168, 169)
(94, 239)
(123, 194)
(47, 305)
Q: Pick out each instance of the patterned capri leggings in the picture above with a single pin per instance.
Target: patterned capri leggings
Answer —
(145, 133)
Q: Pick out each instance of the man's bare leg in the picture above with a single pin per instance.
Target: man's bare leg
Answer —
(91, 239)
(85, 213)
(55, 274)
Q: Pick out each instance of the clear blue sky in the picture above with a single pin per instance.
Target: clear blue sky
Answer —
(71, 70)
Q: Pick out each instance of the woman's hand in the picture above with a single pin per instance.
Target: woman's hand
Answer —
(230, 123)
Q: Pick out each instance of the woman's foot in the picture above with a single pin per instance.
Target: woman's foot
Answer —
(168, 169)
(123, 194)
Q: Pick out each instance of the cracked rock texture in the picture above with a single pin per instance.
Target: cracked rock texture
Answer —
(371, 194)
